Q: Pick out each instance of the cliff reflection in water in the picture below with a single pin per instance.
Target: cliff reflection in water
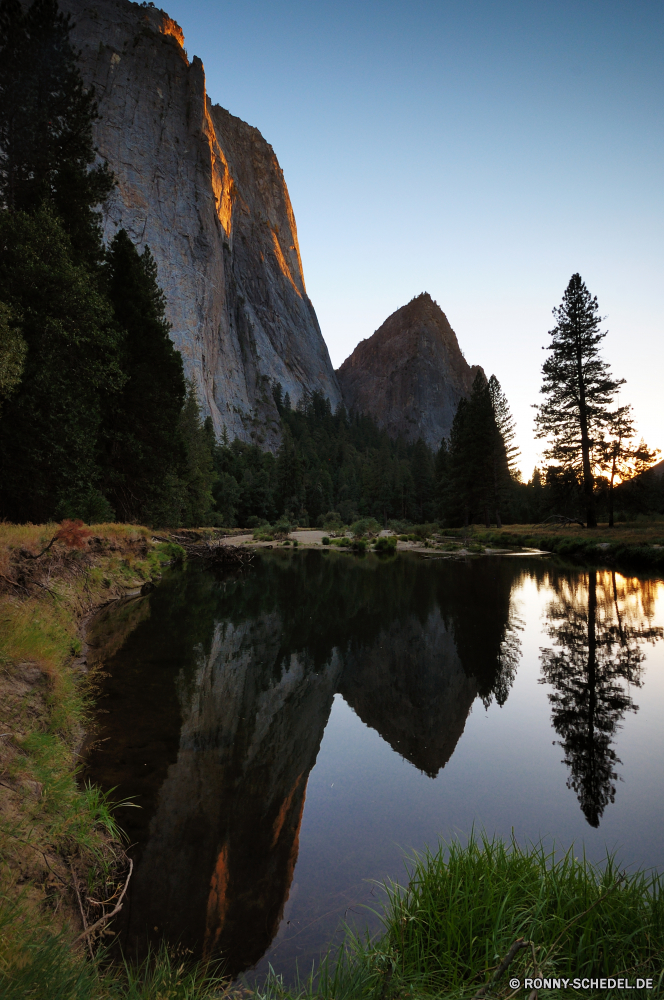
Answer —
(599, 622)
(216, 706)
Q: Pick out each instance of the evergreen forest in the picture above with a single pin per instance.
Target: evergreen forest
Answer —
(97, 419)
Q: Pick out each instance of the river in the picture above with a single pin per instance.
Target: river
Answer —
(292, 731)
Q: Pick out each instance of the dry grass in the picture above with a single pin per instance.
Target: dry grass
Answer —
(630, 533)
(55, 836)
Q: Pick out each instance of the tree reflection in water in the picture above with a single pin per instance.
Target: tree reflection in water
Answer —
(599, 623)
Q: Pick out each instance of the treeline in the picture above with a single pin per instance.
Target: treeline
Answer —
(96, 418)
(97, 421)
(341, 466)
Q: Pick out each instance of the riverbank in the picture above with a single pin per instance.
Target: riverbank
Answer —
(40, 962)
(637, 546)
(60, 849)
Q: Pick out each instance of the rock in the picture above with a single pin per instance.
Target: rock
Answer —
(410, 375)
(205, 191)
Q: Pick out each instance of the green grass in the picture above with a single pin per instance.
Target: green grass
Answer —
(464, 906)
(45, 968)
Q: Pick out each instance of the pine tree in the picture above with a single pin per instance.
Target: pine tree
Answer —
(578, 387)
(46, 118)
(476, 461)
(505, 424)
(196, 472)
(50, 426)
(621, 454)
(13, 349)
(141, 450)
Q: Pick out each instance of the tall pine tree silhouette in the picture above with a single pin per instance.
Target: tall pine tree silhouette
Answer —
(141, 445)
(578, 387)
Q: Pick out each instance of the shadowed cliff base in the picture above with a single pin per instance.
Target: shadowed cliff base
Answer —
(410, 375)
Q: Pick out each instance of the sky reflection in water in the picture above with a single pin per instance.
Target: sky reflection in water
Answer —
(290, 731)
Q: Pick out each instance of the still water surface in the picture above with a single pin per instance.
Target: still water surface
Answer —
(290, 731)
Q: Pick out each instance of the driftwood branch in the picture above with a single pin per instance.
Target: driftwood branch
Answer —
(559, 521)
(29, 555)
(514, 949)
(14, 583)
(102, 920)
(80, 906)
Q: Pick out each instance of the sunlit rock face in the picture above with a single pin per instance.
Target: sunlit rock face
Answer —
(410, 375)
(411, 687)
(205, 191)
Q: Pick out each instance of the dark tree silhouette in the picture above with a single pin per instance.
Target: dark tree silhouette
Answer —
(578, 387)
(599, 642)
(46, 115)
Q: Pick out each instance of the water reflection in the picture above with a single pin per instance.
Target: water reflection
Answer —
(215, 706)
(599, 622)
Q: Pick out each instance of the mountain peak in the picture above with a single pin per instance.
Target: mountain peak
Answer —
(410, 374)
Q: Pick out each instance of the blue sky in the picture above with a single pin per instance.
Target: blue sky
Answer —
(481, 151)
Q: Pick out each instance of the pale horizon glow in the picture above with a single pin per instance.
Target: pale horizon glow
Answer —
(482, 152)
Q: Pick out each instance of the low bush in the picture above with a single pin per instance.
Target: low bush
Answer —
(366, 526)
(400, 527)
(325, 540)
(255, 522)
(386, 544)
(422, 531)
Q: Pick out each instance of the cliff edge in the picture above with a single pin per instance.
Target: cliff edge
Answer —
(410, 375)
(205, 191)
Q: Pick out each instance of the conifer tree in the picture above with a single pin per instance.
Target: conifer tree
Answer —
(50, 426)
(13, 349)
(504, 452)
(46, 118)
(578, 387)
(622, 455)
(141, 450)
(474, 446)
(196, 472)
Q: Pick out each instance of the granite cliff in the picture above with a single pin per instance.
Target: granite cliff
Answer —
(205, 191)
(410, 375)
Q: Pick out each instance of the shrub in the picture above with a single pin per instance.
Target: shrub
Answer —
(421, 531)
(325, 540)
(400, 527)
(255, 522)
(384, 544)
(365, 526)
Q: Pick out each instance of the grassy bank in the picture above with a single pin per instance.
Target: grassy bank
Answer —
(638, 546)
(62, 865)
(60, 850)
(469, 909)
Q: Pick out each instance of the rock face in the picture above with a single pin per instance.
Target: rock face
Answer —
(410, 375)
(205, 191)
